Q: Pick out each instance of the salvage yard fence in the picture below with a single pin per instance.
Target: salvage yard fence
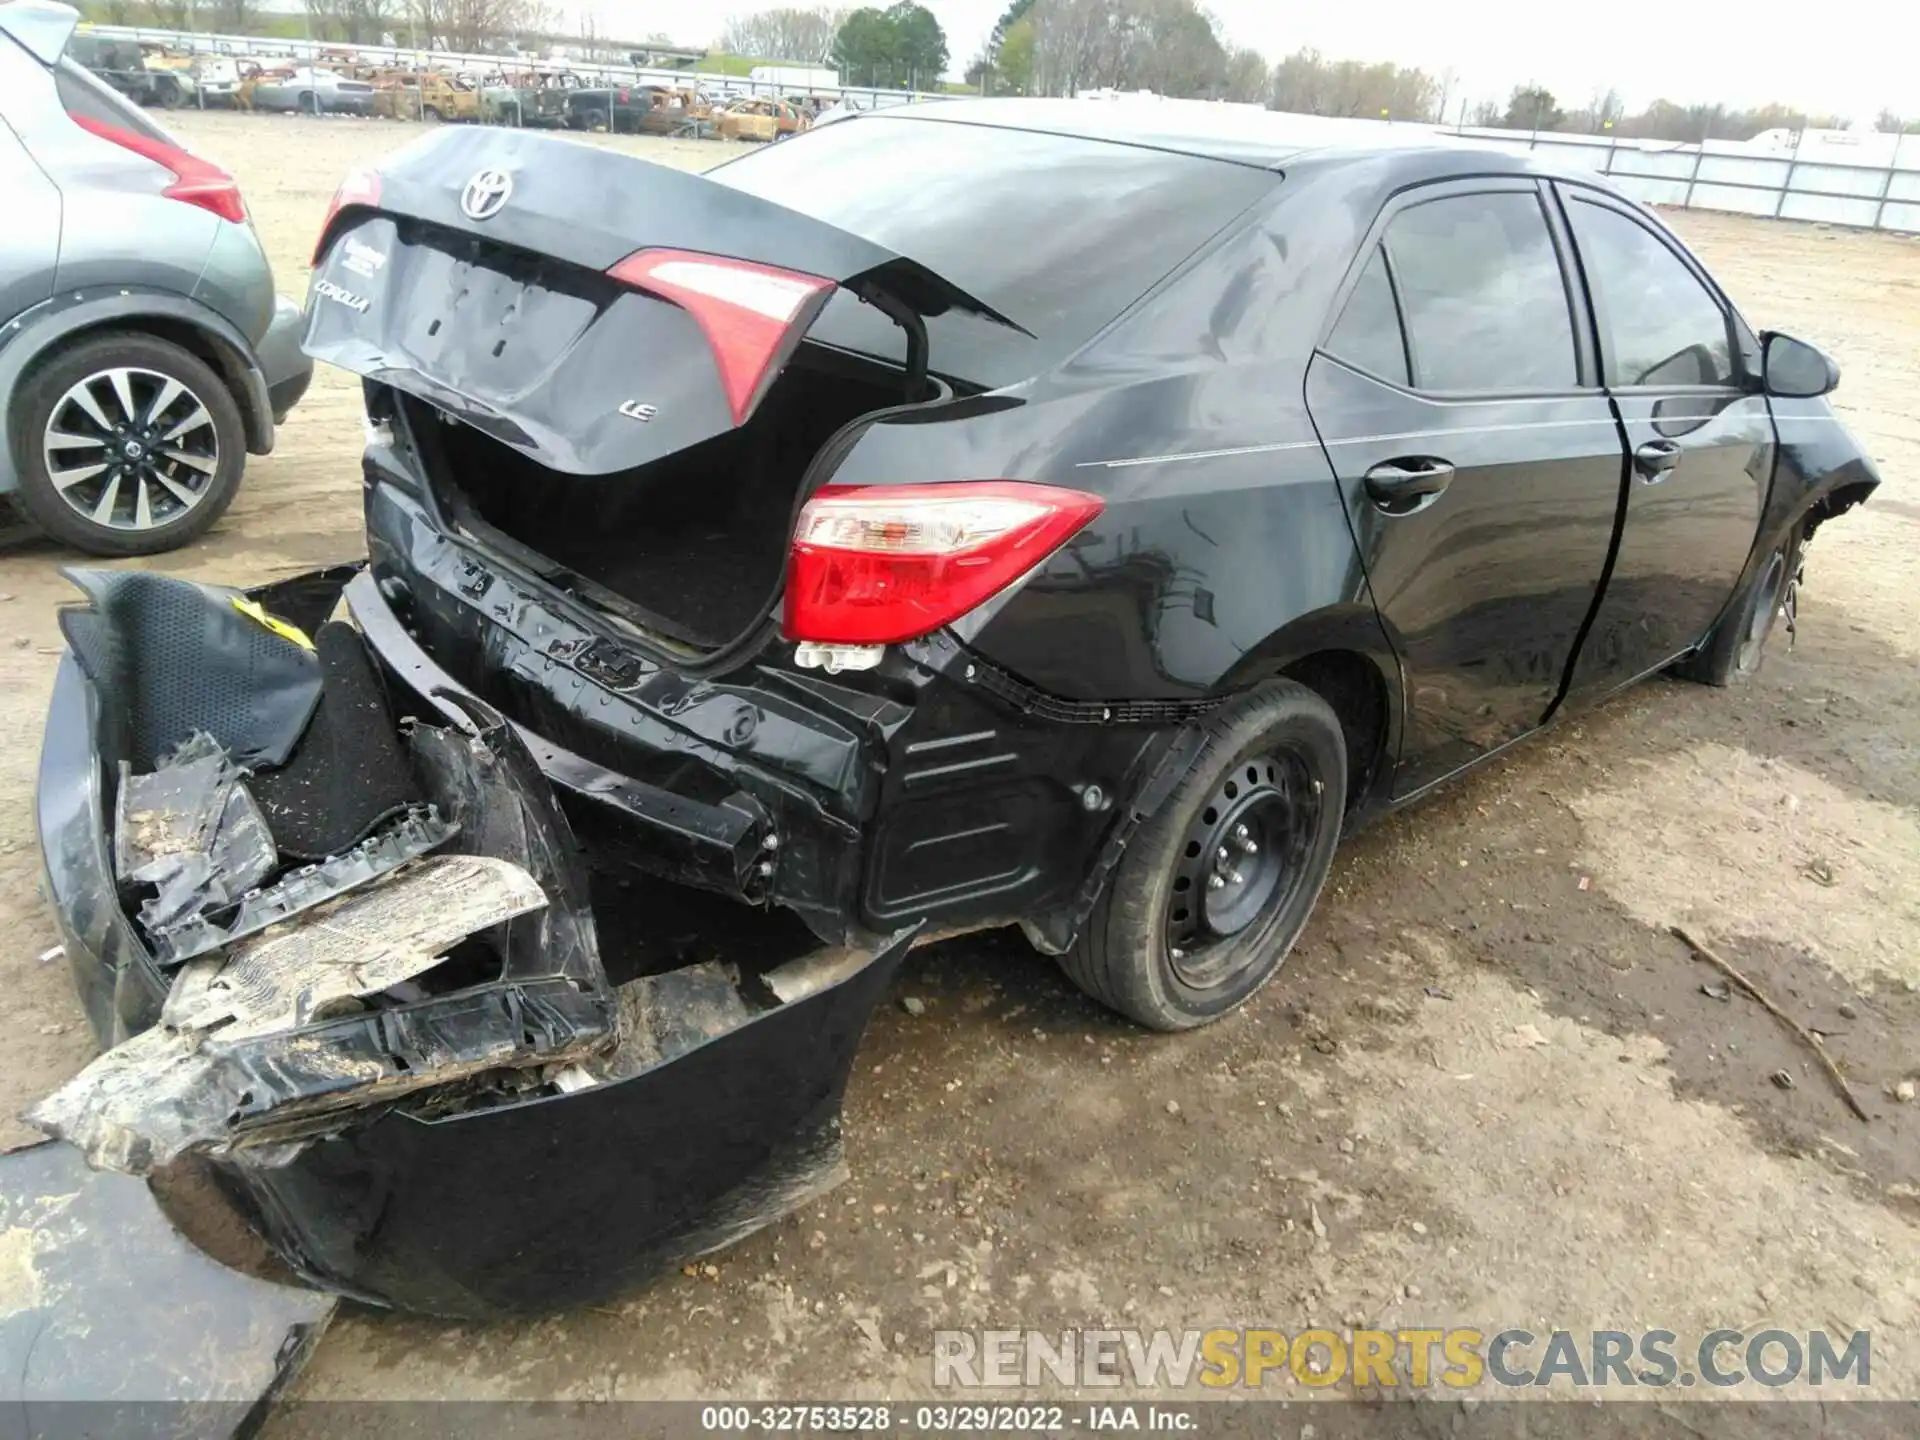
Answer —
(1810, 183)
(1806, 184)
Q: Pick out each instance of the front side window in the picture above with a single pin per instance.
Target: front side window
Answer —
(1482, 295)
(1658, 324)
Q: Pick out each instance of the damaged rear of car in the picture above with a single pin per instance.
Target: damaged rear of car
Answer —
(380, 881)
(746, 597)
(352, 960)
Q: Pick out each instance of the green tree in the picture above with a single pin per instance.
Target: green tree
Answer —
(920, 45)
(1014, 65)
(864, 48)
(1532, 107)
(900, 46)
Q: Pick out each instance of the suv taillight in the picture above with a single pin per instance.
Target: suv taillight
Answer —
(753, 315)
(877, 564)
(195, 181)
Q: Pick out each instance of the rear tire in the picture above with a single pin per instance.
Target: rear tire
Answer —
(1215, 888)
(1733, 653)
(431, 115)
(125, 445)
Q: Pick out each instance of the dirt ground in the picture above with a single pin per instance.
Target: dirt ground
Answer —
(1489, 1088)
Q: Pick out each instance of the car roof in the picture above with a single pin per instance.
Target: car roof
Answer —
(1242, 134)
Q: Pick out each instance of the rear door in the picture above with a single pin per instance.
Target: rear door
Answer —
(1701, 442)
(1479, 460)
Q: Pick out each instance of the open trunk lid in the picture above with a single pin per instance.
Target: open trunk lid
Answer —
(594, 311)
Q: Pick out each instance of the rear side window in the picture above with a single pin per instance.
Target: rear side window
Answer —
(1658, 324)
(1368, 335)
(1481, 291)
(1057, 233)
(86, 98)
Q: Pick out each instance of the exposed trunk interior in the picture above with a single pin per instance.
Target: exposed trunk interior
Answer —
(693, 544)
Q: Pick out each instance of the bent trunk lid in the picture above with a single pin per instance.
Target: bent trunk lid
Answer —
(478, 281)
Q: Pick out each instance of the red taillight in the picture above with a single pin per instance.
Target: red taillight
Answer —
(195, 181)
(361, 187)
(753, 315)
(876, 564)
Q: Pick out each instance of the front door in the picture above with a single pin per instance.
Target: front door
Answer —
(1479, 460)
(1701, 444)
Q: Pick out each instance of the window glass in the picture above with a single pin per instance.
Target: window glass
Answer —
(1658, 325)
(1057, 233)
(85, 97)
(1481, 291)
(1368, 335)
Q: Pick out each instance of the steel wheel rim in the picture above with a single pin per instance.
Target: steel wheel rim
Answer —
(1242, 866)
(1760, 622)
(131, 449)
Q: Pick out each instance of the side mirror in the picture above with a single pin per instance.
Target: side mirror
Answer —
(1793, 369)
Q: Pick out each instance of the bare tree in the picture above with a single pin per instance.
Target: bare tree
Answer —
(1309, 84)
(1247, 78)
(324, 19)
(786, 34)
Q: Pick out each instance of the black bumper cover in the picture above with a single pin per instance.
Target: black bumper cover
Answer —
(523, 1206)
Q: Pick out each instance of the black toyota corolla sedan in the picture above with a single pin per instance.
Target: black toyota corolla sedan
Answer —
(970, 514)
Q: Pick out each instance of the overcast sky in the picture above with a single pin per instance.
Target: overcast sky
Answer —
(1850, 56)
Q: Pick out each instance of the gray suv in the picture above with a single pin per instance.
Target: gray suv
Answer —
(143, 351)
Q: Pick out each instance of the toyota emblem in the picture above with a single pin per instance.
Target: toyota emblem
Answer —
(486, 194)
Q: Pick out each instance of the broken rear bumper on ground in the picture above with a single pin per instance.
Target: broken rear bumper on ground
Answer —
(542, 1129)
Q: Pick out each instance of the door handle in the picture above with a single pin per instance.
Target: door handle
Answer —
(1402, 486)
(1655, 460)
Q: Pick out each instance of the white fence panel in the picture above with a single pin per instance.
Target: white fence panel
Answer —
(1763, 173)
(1652, 192)
(1827, 210)
(1738, 198)
(1840, 179)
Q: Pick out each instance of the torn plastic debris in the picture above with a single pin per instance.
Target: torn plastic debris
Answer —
(413, 835)
(493, 1149)
(371, 939)
(190, 828)
(194, 1081)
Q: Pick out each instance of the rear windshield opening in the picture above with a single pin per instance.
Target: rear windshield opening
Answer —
(691, 546)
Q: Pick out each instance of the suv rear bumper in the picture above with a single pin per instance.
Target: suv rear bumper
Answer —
(285, 367)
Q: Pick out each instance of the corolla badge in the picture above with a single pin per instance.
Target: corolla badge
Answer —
(486, 194)
(340, 295)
